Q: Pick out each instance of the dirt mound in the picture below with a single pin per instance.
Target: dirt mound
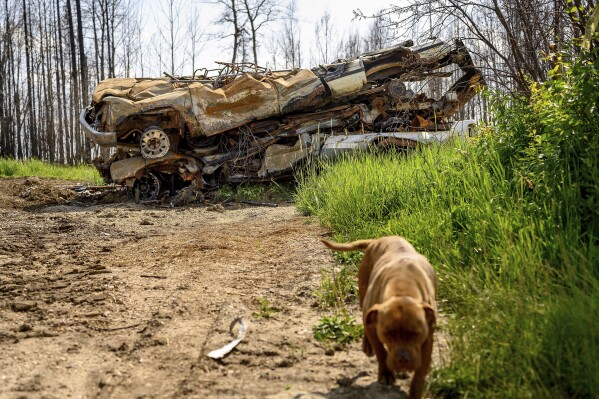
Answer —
(41, 192)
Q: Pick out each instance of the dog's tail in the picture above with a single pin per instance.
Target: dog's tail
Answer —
(359, 245)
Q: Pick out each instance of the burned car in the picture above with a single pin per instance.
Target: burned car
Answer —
(244, 123)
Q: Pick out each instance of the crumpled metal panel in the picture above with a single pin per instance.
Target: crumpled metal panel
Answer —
(133, 167)
(279, 157)
(248, 98)
(134, 89)
(118, 87)
(121, 108)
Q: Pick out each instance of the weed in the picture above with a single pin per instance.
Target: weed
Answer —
(224, 193)
(338, 287)
(265, 310)
(265, 192)
(340, 329)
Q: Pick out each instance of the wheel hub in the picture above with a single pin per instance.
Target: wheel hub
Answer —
(154, 143)
(147, 187)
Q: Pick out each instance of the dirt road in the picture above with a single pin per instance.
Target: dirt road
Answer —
(125, 301)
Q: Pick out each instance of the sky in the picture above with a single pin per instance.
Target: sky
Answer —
(308, 12)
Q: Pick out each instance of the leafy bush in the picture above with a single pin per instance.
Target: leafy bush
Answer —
(550, 143)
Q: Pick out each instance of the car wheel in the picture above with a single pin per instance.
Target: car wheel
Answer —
(147, 187)
(154, 143)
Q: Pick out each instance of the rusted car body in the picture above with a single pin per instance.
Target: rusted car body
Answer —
(255, 125)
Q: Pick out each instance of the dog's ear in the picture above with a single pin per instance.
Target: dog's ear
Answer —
(429, 312)
(372, 315)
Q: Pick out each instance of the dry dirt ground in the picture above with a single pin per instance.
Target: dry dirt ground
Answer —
(122, 300)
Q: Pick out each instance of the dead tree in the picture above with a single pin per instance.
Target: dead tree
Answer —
(230, 15)
(350, 46)
(324, 37)
(289, 42)
(259, 13)
(379, 32)
(516, 34)
(194, 37)
(172, 34)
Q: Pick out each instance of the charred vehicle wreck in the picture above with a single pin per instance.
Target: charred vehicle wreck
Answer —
(243, 123)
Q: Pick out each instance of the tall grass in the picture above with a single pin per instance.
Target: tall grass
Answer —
(508, 269)
(32, 167)
(440, 199)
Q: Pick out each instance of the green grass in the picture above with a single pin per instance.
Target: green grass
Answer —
(519, 286)
(32, 167)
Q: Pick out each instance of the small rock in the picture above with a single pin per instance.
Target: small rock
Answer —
(329, 352)
(216, 208)
(97, 297)
(146, 222)
(79, 300)
(70, 271)
(59, 285)
(25, 327)
(283, 363)
(23, 306)
(93, 314)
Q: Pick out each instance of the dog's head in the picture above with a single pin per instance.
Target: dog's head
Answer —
(402, 324)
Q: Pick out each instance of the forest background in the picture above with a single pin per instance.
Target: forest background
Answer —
(54, 52)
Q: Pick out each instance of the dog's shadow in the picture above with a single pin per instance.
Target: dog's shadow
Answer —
(347, 389)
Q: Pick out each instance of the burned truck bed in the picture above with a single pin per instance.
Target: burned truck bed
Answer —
(244, 123)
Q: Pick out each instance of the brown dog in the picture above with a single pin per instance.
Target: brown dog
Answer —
(397, 295)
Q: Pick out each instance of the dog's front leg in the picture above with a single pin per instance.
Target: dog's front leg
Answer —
(385, 376)
(417, 385)
(366, 347)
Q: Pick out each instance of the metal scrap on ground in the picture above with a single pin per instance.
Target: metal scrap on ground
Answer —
(225, 350)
